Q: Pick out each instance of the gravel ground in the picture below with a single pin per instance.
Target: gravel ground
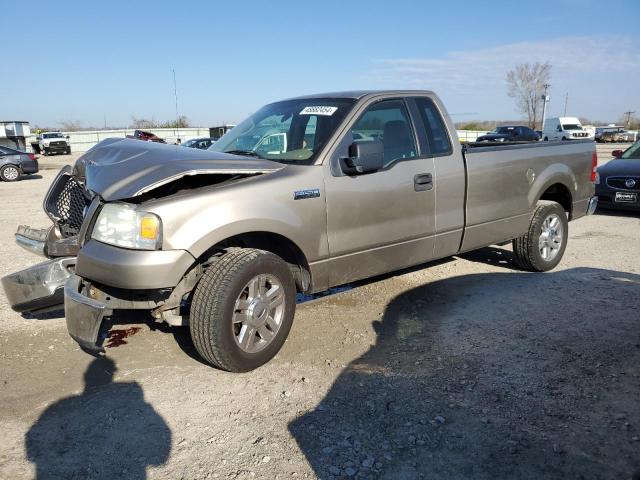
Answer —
(464, 368)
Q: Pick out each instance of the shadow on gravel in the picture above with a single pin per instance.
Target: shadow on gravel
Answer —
(49, 315)
(618, 213)
(500, 375)
(108, 431)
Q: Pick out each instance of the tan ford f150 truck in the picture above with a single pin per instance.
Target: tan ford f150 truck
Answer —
(305, 194)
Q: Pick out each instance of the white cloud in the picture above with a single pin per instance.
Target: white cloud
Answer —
(606, 67)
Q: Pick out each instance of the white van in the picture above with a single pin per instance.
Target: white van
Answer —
(564, 128)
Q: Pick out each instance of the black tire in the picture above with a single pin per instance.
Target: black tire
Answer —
(526, 248)
(68, 151)
(213, 306)
(546, 139)
(6, 173)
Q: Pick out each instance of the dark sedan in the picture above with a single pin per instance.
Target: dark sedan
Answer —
(510, 133)
(618, 181)
(14, 163)
(201, 143)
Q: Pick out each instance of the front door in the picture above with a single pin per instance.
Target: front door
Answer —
(381, 221)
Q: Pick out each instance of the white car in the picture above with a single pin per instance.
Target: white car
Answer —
(54, 142)
(564, 128)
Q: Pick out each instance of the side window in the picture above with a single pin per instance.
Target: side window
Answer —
(439, 142)
(387, 121)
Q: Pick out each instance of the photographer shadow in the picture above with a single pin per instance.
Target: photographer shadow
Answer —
(107, 431)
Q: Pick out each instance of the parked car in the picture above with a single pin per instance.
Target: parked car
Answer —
(612, 135)
(14, 163)
(564, 128)
(201, 143)
(510, 133)
(221, 240)
(53, 142)
(146, 136)
(618, 181)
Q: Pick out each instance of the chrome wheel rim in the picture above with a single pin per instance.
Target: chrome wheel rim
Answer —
(11, 173)
(551, 236)
(258, 313)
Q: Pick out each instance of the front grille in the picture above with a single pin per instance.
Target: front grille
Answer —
(620, 183)
(58, 144)
(66, 204)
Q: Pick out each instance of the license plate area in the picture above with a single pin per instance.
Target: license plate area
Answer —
(626, 197)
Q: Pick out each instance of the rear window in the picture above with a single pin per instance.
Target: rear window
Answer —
(437, 135)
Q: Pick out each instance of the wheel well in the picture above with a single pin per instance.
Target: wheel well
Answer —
(276, 244)
(560, 194)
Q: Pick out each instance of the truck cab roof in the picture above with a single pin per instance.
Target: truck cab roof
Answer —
(358, 94)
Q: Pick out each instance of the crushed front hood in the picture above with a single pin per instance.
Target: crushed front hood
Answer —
(120, 168)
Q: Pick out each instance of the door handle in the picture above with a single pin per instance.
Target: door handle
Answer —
(422, 182)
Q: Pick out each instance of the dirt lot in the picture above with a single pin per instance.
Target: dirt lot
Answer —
(466, 368)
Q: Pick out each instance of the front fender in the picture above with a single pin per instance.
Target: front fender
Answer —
(197, 221)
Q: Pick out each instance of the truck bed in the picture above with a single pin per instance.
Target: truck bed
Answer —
(498, 174)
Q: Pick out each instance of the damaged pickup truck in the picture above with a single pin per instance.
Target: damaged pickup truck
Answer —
(305, 194)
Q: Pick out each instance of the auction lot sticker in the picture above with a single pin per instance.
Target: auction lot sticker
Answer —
(319, 110)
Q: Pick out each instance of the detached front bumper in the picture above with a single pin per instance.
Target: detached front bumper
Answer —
(39, 287)
(84, 315)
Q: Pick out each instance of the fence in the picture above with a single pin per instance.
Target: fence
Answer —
(83, 141)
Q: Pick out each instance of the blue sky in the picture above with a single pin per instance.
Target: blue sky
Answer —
(85, 60)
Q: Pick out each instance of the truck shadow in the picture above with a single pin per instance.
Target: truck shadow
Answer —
(492, 256)
(107, 431)
(495, 375)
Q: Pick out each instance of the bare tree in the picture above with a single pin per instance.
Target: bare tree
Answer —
(70, 125)
(143, 122)
(526, 85)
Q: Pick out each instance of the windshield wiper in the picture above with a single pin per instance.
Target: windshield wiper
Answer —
(248, 153)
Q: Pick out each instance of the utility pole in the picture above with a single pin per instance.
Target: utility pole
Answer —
(628, 114)
(175, 93)
(566, 100)
(545, 99)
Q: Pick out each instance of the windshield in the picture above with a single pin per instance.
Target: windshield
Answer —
(633, 151)
(52, 135)
(571, 126)
(292, 131)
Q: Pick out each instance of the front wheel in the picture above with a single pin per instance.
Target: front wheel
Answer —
(9, 173)
(242, 309)
(542, 247)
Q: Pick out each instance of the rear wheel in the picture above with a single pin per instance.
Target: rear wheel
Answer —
(9, 173)
(242, 309)
(546, 139)
(543, 246)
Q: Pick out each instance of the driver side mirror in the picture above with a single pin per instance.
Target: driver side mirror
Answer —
(67, 137)
(364, 157)
(617, 153)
